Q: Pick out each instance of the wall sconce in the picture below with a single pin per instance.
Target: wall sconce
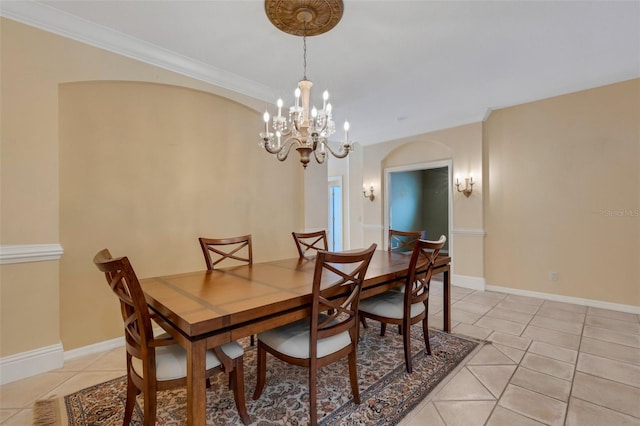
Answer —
(468, 186)
(368, 194)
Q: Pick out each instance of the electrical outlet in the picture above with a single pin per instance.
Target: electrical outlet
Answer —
(553, 276)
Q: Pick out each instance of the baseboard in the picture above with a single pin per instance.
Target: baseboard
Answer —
(467, 281)
(96, 348)
(38, 361)
(31, 363)
(567, 299)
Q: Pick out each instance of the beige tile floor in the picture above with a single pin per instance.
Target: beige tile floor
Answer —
(550, 363)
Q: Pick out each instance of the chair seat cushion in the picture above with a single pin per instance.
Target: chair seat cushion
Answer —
(293, 340)
(389, 304)
(171, 360)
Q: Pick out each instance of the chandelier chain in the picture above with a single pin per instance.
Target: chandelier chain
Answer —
(304, 51)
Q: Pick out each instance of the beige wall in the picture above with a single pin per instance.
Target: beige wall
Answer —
(563, 195)
(145, 169)
(184, 159)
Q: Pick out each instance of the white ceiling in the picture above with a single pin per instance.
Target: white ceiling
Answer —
(394, 68)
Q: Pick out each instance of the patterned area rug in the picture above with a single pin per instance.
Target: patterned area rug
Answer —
(387, 392)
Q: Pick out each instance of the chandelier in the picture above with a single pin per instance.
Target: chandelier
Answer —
(306, 130)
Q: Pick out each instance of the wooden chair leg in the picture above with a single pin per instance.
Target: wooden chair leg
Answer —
(406, 338)
(261, 373)
(353, 377)
(383, 328)
(252, 340)
(425, 331)
(132, 391)
(238, 390)
(150, 404)
(363, 321)
(313, 395)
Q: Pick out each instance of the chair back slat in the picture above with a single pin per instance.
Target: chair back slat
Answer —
(337, 283)
(309, 243)
(420, 271)
(404, 240)
(135, 314)
(216, 250)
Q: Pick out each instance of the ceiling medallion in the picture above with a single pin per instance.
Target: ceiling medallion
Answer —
(304, 17)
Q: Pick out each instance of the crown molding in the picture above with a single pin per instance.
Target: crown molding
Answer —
(64, 24)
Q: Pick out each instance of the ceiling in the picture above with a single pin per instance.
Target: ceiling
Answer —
(394, 68)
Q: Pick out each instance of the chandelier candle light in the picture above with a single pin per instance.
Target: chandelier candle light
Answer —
(307, 130)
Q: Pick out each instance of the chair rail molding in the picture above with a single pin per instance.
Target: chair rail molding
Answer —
(469, 232)
(29, 253)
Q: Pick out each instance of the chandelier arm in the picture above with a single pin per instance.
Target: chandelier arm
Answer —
(286, 132)
(320, 156)
(342, 153)
(282, 152)
(266, 143)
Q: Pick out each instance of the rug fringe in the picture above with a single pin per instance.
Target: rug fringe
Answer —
(46, 412)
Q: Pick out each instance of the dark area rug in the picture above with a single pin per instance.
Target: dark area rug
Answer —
(387, 392)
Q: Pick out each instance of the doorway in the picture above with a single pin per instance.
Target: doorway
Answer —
(334, 230)
(419, 198)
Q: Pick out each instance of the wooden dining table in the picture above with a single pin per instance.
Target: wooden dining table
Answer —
(204, 309)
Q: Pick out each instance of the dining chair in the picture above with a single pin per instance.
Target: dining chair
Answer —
(156, 363)
(330, 333)
(398, 241)
(216, 250)
(310, 242)
(404, 240)
(411, 306)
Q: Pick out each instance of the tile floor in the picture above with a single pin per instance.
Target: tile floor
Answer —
(549, 363)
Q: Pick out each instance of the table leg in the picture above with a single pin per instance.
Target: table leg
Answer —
(196, 383)
(446, 319)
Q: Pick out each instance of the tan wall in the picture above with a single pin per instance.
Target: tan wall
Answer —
(59, 146)
(29, 308)
(563, 195)
(463, 146)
